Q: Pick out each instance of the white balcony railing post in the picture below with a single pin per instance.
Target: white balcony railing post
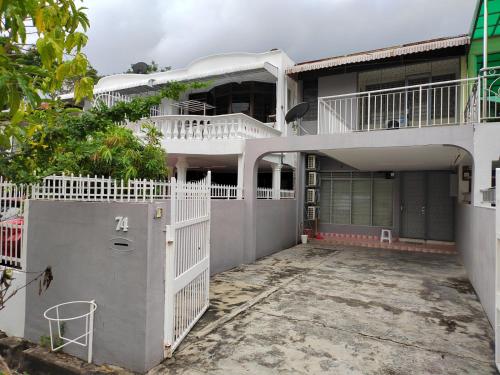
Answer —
(420, 107)
(368, 111)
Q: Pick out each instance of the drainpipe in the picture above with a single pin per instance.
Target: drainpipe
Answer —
(485, 35)
(485, 59)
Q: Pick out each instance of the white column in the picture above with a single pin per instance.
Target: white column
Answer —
(181, 167)
(280, 101)
(276, 181)
(239, 193)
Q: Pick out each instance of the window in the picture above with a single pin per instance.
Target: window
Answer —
(255, 99)
(310, 95)
(357, 198)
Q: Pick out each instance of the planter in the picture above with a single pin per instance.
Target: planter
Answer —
(303, 238)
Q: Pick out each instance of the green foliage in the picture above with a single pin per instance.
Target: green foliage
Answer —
(45, 339)
(55, 30)
(93, 142)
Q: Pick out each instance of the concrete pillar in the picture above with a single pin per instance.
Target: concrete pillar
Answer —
(181, 167)
(239, 192)
(280, 101)
(276, 180)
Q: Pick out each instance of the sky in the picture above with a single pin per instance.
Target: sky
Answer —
(176, 32)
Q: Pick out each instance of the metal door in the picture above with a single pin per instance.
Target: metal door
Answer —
(187, 260)
(413, 205)
(440, 207)
(427, 209)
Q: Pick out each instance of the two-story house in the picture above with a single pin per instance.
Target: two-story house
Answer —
(405, 138)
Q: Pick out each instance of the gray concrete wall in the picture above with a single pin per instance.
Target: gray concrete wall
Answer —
(227, 230)
(276, 225)
(76, 240)
(475, 239)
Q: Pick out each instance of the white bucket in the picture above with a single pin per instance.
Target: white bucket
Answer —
(303, 238)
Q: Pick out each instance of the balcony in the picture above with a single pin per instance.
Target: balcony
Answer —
(453, 102)
(185, 127)
(194, 127)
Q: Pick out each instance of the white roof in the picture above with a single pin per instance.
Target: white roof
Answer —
(200, 69)
(383, 53)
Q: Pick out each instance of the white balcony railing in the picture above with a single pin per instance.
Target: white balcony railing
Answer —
(110, 99)
(268, 193)
(489, 195)
(433, 104)
(192, 127)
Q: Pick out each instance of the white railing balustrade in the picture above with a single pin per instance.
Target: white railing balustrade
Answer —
(264, 193)
(225, 192)
(192, 127)
(490, 90)
(110, 99)
(268, 193)
(433, 104)
(287, 194)
(489, 195)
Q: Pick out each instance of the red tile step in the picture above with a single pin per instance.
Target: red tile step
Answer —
(374, 242)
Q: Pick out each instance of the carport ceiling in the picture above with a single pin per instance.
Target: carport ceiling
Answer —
(400, 158)
(218, 163)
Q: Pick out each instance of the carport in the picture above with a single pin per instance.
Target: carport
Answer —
(340, 310)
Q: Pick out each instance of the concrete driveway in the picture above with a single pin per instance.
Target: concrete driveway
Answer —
(340, 310)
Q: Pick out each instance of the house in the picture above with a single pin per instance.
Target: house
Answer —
(402, 138)
(246, 98)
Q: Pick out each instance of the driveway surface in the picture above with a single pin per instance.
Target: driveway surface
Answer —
(340, 310)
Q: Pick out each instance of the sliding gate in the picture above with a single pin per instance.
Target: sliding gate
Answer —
(187, 260)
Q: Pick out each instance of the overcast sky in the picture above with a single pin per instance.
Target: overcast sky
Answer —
(175, 32)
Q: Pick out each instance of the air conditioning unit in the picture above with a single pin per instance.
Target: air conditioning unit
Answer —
(311, 196)
(312, 179)
(312, 212)
(312, 162)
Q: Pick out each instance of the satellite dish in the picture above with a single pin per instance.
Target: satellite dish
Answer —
(296, 112)
(140, 68)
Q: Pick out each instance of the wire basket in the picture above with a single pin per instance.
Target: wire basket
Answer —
(55, 315)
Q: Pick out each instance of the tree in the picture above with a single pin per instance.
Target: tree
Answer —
(32, 58)
(93, 142)
(52, 28)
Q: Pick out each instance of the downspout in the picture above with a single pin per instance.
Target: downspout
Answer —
(485, 36)
(484, 71)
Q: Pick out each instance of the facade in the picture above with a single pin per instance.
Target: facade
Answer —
(402, 138)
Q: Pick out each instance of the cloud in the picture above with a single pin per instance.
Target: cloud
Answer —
(175, 32)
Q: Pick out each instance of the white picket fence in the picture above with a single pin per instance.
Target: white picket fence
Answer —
(13, 199)
(12, 209)
(100, 189)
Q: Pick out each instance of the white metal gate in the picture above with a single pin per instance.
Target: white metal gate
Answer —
(187, 259)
